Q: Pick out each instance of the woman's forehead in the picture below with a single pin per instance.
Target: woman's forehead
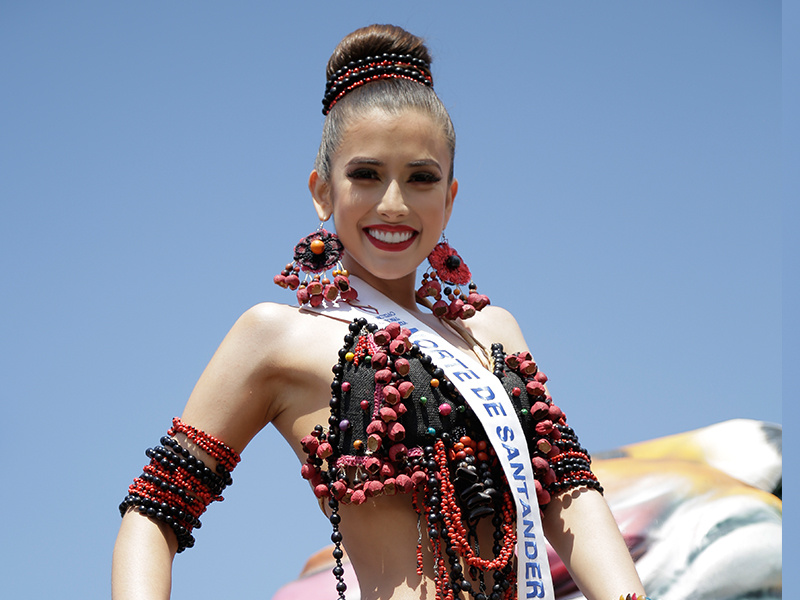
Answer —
(378, 133)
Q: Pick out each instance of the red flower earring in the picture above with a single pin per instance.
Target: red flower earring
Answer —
(313, 256)
(449, 268)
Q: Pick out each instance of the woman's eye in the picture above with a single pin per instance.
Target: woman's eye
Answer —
(425, 177)
(362, 174)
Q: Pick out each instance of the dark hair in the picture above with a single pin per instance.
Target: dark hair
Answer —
(390, 95)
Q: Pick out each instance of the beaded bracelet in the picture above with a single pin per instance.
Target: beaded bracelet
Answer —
(225, 456)
(176, 487)
(633, 596)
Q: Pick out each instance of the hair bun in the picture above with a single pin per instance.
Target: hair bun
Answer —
(375, 41)
(373, 53)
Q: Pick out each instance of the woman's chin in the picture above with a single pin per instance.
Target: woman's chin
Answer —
(381, 272)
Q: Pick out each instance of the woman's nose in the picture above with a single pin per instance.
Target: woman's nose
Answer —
(393, 204)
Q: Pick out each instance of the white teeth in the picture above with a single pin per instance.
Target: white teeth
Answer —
(397, 237)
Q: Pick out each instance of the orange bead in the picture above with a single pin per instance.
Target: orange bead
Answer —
(434, 383)
(317, 246)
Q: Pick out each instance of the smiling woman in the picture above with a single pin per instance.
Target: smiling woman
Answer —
(413, 446)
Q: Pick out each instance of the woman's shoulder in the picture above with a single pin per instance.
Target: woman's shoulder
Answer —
(262, 323)
(269, 315)
(283, 328)
(495, 324)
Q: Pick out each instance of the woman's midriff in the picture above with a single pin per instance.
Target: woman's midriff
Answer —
(381, 537)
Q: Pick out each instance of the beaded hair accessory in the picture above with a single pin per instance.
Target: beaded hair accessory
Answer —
(372, 68)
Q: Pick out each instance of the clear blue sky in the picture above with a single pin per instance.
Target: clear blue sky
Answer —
(620, 192)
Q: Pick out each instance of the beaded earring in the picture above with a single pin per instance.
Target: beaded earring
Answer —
(447, 267)
(313, 256)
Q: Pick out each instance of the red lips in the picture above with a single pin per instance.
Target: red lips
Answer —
(391, 238)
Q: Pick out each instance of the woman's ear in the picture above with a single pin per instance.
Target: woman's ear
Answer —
(451, 198)
(321, 193)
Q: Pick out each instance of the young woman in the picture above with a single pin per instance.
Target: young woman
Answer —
(409, 423)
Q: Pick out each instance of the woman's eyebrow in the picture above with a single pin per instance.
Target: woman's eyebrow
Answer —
(425, 162)
(364, 160)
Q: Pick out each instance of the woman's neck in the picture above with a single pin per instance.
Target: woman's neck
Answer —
(402, 291)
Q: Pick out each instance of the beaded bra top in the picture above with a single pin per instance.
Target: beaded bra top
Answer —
(398, 425)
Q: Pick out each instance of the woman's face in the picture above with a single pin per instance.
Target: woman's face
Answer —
(388, 192)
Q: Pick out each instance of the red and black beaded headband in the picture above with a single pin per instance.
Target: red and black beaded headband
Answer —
(372, 68)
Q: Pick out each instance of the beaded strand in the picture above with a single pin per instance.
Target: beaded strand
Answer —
(225, 456)
(373, 68)
(176, 487)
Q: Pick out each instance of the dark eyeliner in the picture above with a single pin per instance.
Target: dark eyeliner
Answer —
(425, 177)
(362, 174)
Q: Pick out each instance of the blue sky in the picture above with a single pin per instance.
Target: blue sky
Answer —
(620, 192)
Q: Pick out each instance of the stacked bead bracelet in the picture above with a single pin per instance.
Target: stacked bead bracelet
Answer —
(176, 487)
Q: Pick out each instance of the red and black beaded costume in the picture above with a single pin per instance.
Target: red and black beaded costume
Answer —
(397, 425)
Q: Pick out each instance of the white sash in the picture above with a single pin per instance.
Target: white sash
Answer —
(486, 397)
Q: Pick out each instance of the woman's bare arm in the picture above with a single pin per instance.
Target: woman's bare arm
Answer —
(231, 401)
(142, 564)
(578, 524)
(583, 532)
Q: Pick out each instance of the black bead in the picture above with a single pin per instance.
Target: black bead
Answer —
(452, 262)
